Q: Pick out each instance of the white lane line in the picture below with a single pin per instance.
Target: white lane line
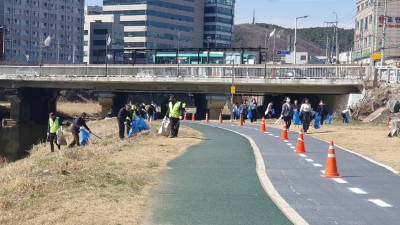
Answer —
(276, 136)
(309, 160)
(271, 134)
(317, 165)
(288, 143)
(303, 155)
(379, 202)
(358, 191)
(292, 147)
(339, 180)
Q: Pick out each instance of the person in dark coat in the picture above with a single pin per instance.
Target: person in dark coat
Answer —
(322, 111)
(124, 115)
(76, 125)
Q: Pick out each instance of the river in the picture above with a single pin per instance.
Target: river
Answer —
(16, 141)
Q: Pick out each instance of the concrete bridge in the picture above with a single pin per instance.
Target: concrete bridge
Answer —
(32, 91)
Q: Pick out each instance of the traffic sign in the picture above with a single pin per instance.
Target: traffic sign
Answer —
(233, 89)
(282, 52)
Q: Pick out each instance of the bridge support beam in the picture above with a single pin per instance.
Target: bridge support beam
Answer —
(106, 100)
(31, 104)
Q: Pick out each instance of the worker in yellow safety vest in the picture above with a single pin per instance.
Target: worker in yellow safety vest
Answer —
(53, 126)
(174, 114)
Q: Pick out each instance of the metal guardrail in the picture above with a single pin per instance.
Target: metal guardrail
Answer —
(388, 75)
(193, 71)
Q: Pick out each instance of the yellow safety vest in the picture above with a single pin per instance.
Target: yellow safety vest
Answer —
(54, 125)
(174, 110)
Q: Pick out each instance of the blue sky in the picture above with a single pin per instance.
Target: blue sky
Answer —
(284, 12)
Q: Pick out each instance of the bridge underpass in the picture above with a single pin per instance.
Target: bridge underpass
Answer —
(210, 85)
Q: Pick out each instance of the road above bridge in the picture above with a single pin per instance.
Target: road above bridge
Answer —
(254, 79)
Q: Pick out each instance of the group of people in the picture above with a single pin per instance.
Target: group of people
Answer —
(303, 110)
(247, 111)
(55, 123)
(127, 113)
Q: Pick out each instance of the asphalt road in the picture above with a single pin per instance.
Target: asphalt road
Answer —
(203, 186)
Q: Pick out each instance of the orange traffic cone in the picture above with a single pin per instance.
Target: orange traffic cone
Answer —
(220, 118)
(300, 143)
(193, 117)
(263, 128)
(185, 117)
(284, 135)
(331, 168)
(240, 120)
(207, 118)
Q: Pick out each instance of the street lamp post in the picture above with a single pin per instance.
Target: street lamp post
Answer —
(295, 37)
(177, 56)
(208, 49)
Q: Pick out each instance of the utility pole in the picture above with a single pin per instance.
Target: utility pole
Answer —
(335, 36)
(384, 36)
(337, 39)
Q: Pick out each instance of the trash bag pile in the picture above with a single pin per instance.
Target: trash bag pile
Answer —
(137, 125)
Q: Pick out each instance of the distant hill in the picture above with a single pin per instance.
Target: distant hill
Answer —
(308, 39)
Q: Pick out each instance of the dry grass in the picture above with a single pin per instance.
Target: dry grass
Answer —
(367, 139)
(75, 108)
(106, 182)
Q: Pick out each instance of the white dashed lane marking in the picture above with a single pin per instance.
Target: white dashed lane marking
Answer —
(358, 191)
(379, 202)
(317, 165)
(339, 180)
(309, 160)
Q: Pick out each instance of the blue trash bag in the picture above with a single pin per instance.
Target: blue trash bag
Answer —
(296, 118)
(84, 136)
(347, 119)
(141, 124)
(328, 119)
(133, 129)
(317, 121)
(250, 115)
(273, 111)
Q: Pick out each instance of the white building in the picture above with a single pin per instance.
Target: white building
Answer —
(301, 58)
(30, 22)
(370, 21)
(98, 31)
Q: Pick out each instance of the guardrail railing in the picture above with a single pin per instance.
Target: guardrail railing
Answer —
(389, 75)
(193, 71)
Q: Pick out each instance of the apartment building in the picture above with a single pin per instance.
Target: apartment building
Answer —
(369, 29)
(30, 22)
(103, 37)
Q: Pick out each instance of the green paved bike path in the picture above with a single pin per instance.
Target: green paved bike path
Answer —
(214, 182)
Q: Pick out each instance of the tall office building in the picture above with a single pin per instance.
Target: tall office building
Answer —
(369, 29)
(103, 37)
(218, 23)
(172, 24)
(30, 22)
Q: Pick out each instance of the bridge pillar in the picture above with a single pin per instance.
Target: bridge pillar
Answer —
(211, 104)
(31, 104)
(216, 104)
(106, 100)
(200, 101)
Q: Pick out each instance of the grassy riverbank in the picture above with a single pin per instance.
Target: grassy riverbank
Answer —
(106, 182)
